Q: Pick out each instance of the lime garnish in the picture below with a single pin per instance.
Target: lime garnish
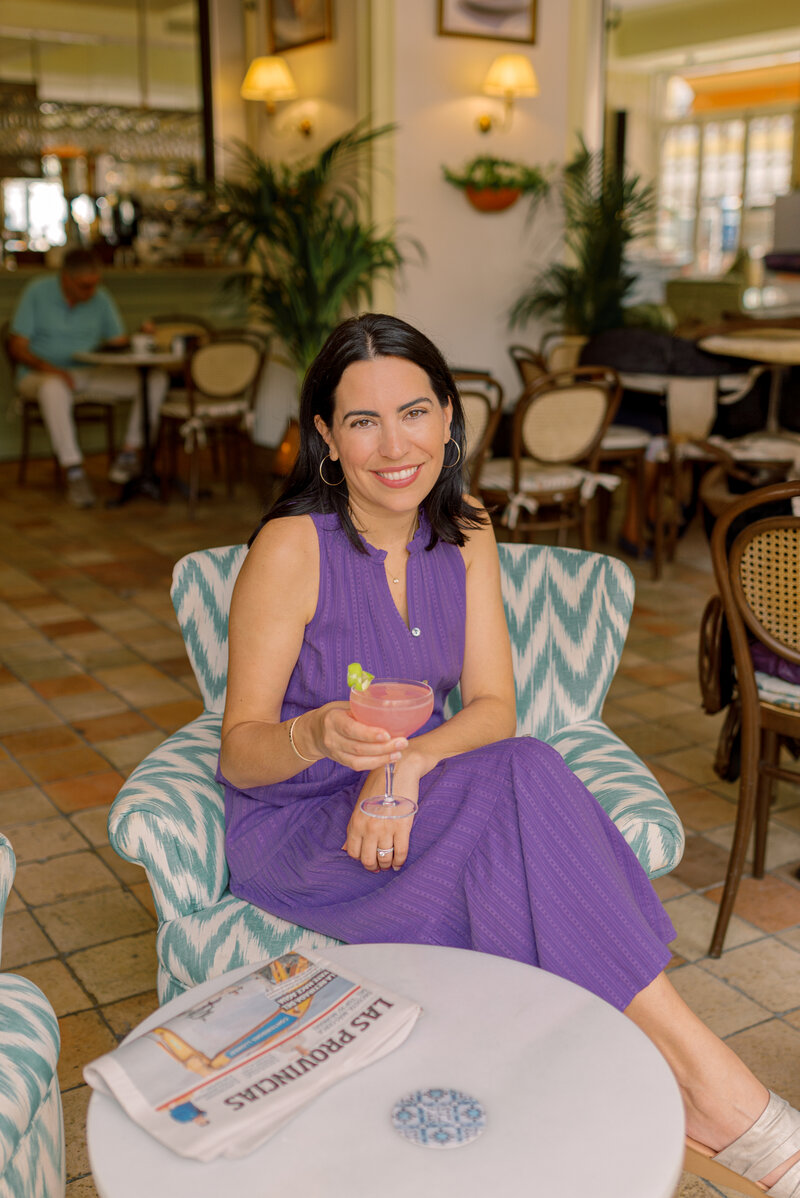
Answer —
(357, 678)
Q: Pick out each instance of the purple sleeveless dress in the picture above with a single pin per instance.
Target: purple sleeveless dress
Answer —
(510, 853)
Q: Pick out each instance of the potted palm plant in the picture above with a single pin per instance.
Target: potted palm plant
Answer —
(494, 184)
(604, 210)
(308, 253)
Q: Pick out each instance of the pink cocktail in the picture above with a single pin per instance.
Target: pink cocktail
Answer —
(401, 707)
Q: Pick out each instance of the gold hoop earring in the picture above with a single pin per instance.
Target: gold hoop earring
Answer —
(322, 476)
(452, 465)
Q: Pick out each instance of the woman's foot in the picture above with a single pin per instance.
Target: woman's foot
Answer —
(767, 1155)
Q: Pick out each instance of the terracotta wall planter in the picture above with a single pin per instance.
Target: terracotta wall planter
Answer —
(492, 199)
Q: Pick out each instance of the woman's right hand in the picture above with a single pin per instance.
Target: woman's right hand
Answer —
(333, 732)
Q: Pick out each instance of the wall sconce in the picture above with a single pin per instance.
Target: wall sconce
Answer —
(270, 80)
(509, 76)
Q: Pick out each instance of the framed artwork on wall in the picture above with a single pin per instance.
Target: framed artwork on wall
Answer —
(292, 23)
(502, 20)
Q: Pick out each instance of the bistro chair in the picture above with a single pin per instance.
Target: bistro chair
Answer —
(31, 1118)
(221, 378)
(550, 479)
(758, 578)
(97, 410)
(692, 405)
(622, 449)
(482, 401)
(567, 614)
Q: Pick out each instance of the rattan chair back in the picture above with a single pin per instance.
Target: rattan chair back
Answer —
(482, 401)
(226, 368)
(561, 418)
(530, 365)
(765, 575)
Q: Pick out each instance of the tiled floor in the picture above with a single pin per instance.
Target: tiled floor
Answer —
(94, 675)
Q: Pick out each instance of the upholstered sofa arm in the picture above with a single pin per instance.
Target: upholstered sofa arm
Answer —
(29, 1046)
(169, 817)
(627, 791)
(8, 867)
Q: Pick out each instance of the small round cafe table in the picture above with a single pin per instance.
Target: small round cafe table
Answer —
(578, 1102)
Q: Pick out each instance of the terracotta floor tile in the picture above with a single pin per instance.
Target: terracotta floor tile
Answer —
(653, 674)
(767, 902)
(109, 727)
(75, 684)
(171, 716)
(75, 1103)
(772, 1051)
(669, 782)
(39, 740)
(62, 878)
(93, 919)
(12, 777)
(701, 809)
(23, 806)
(64, 763)
(128, 1013)
(703, 863)
(82, 1187)
(720, 1006)
(88, 706)
(127, 751)
(48, 838)
(84, 1036)
(51, 611)
(120, 970)
(652, 705)
(14, 695)
(93, 824)
(29, 716)
(668, 887)
(141, 685)
(145, 896)
(694, 920)
(650, 739)
(69, 628)
(766, 970)
(126, 871)
(6, 677)
(55, 980)
(783, 843)
(23, 940)
(93, 790)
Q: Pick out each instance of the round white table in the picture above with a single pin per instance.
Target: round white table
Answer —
(145, 483)
(578, 1101)
(777, 348)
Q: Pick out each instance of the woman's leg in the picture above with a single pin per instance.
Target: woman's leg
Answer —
(721, 1096)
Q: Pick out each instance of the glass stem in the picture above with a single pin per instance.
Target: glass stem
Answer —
(389, 780)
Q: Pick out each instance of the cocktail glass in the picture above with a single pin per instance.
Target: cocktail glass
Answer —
(400, 706)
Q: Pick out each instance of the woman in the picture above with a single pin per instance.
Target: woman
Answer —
(374, 554)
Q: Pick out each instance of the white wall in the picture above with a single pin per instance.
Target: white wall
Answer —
(476, 263)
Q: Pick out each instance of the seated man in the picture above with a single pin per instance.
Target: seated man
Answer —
(58, 316)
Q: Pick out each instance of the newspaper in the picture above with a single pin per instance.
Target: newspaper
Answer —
(223, 1076)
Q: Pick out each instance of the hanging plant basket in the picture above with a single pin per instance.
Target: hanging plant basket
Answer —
(492, 199)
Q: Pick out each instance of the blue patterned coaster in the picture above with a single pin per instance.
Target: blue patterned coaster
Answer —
(438, 1118)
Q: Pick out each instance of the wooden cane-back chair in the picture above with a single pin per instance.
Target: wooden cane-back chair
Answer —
(552, 475)
(482, 401)
(758, 576)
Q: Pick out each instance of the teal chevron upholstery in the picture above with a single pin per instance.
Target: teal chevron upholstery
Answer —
(568, 613)
(31, 1121)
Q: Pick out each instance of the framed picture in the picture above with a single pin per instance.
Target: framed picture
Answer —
(293, 23)
(502, 20)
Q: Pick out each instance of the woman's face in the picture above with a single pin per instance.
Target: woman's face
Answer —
(388, 434)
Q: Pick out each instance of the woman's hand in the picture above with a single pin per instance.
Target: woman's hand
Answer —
(333, 732)
(383, 843)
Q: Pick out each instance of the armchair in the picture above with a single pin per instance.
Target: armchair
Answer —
(31, 1120)
(568, 613)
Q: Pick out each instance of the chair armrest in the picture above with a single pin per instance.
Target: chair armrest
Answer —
(169, 817)
(626, 790)
(8, 866)
(29, 1046)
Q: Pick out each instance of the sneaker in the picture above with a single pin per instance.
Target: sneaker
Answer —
(79, 490)
(124, 469)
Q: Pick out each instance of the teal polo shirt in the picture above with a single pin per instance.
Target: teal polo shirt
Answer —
(54, 330)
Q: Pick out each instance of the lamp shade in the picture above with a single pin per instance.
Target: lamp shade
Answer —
(268, 79)
(511, 75)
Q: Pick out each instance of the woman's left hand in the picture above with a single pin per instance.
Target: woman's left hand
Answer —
(383, 843)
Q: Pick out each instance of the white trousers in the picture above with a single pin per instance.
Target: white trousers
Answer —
(120, 382)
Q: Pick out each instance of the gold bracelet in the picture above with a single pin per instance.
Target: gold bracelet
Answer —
(302, 756)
